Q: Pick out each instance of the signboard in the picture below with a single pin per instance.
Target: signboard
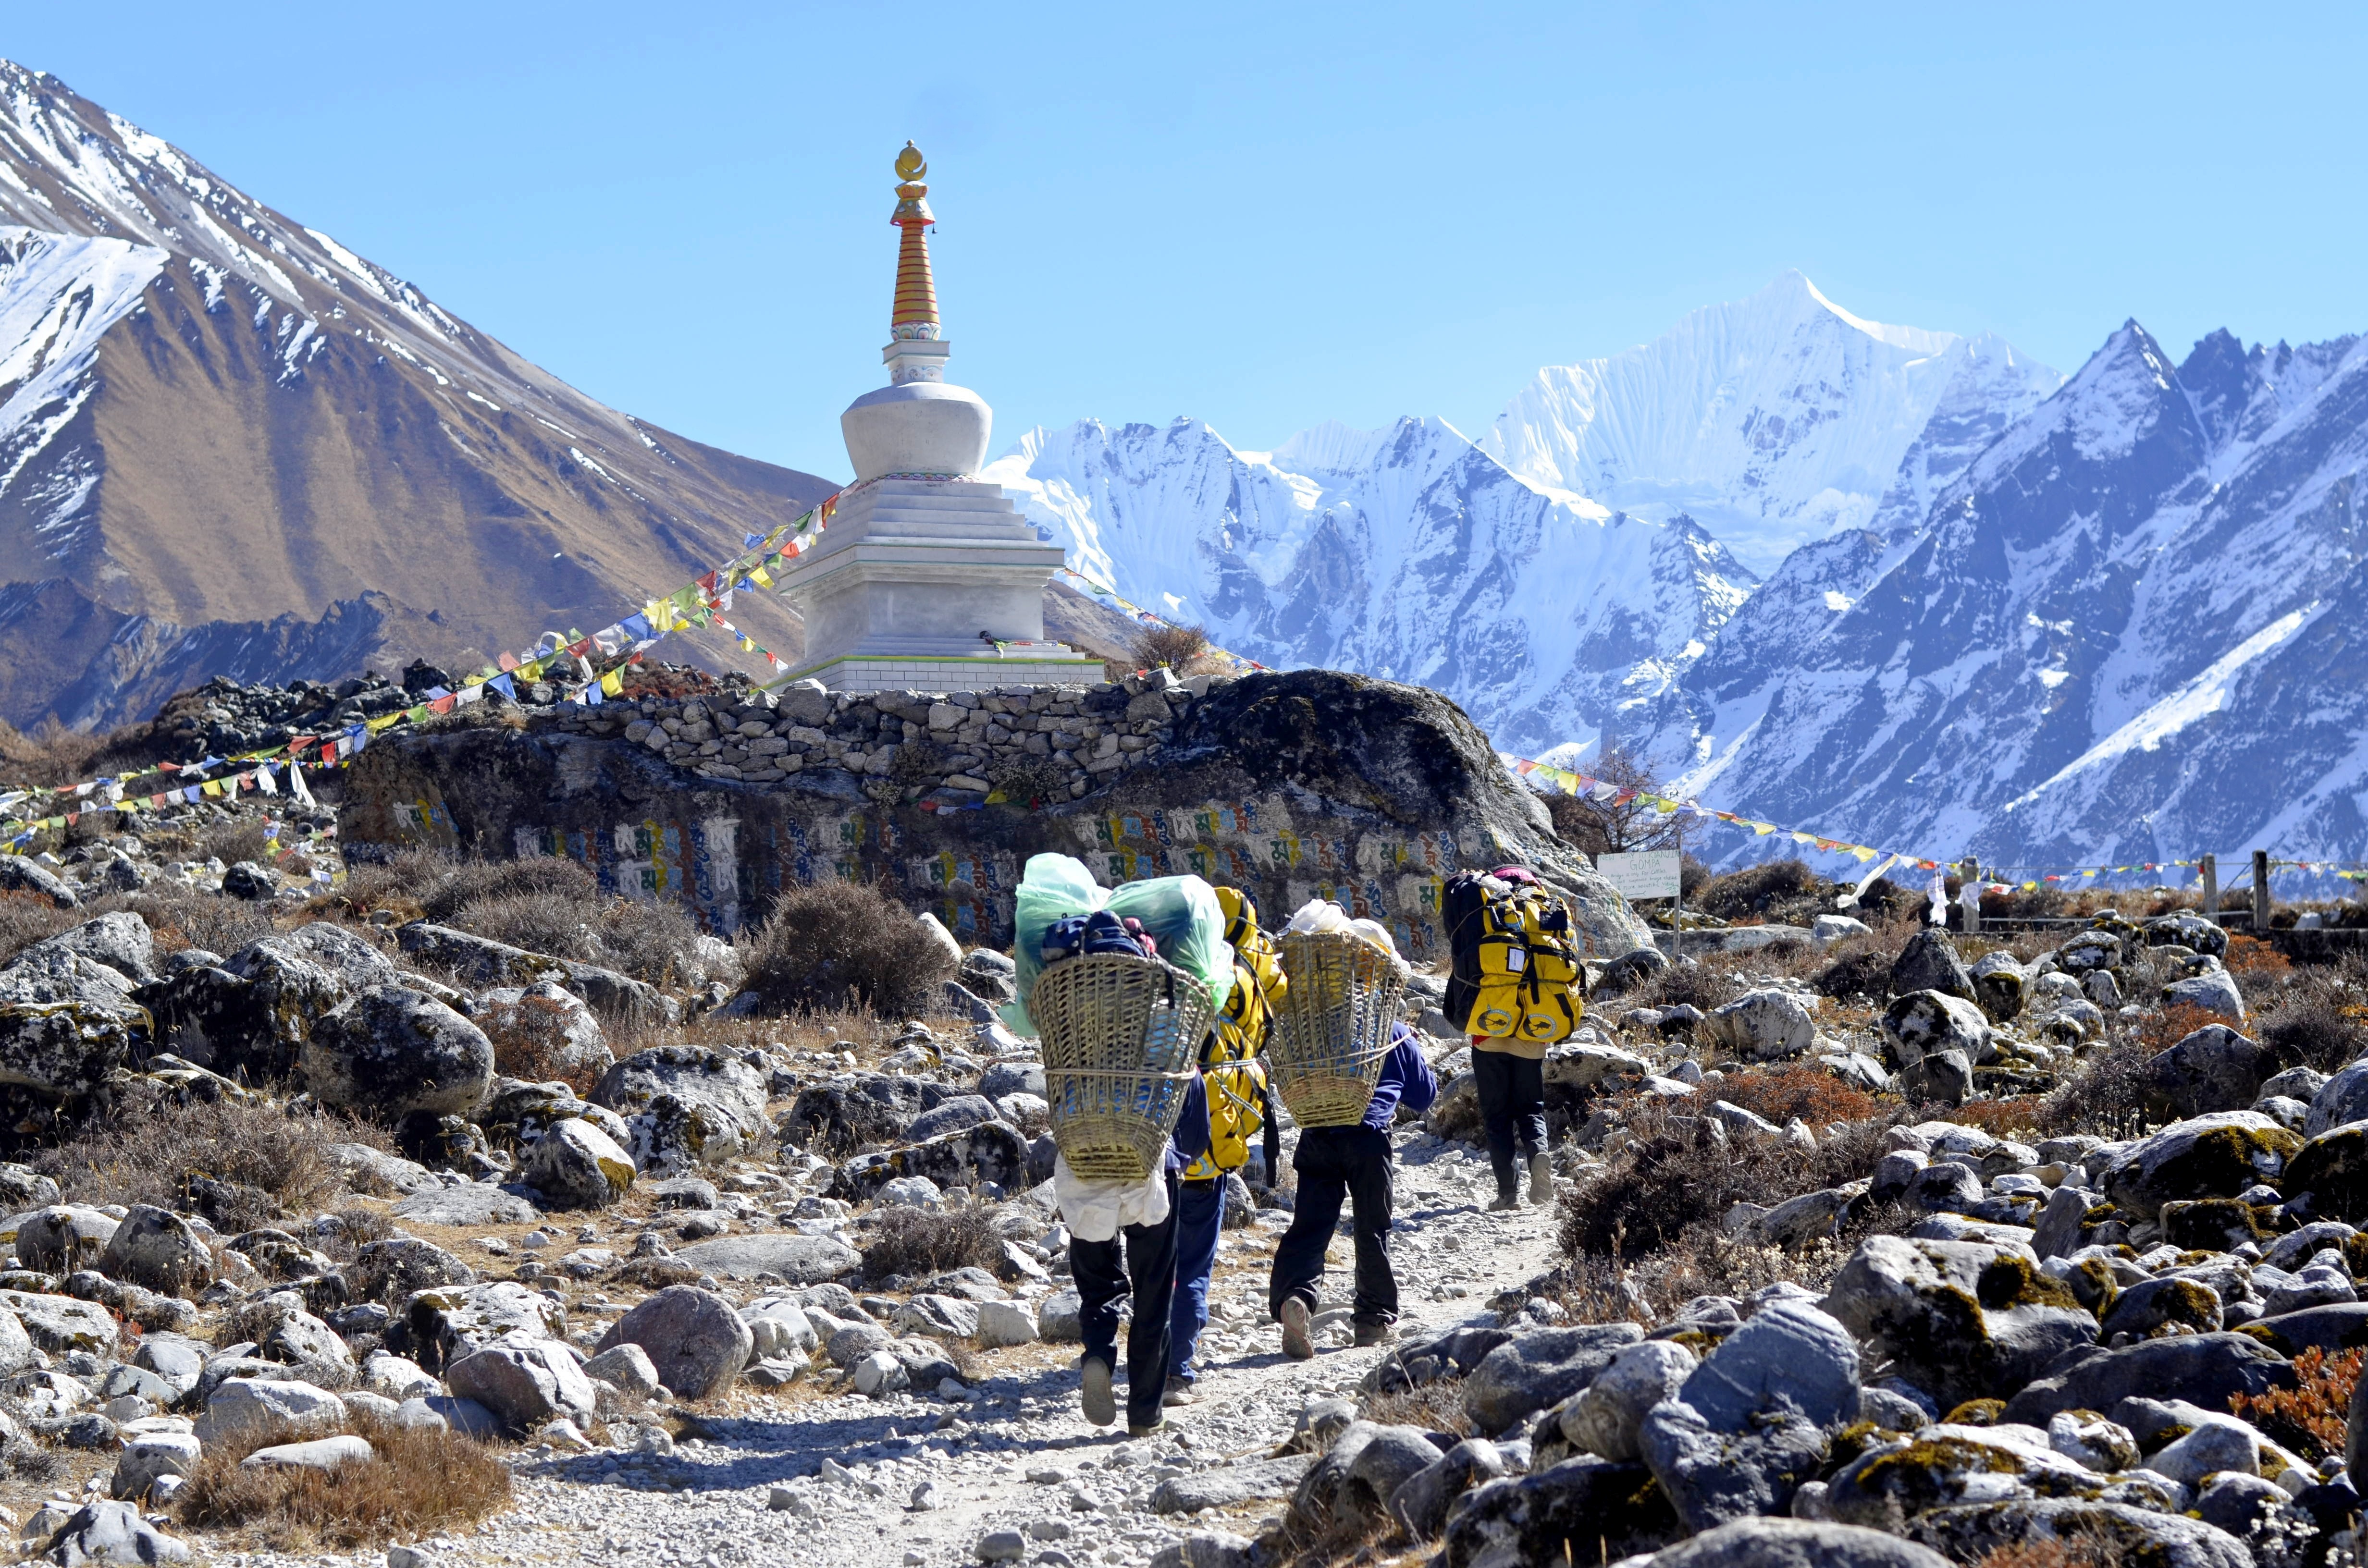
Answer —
(1652, 874)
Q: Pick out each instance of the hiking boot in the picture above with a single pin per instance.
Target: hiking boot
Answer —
(1372, 1334)
(1145, 1428)
(1540, 1180)
(1178, 1393)
(1298, 1341)
(1506, 1198)
(1094, 1388)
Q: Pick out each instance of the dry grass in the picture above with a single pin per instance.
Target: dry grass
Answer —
(183, 918)
(1817, 1097)
(1434, 1407)
(916, 1241)
(539, 922)
(530, 1044)
(2250, 957)
(2164, 1028)
(2105, 1095)
(29, 917)
(1178, 648)
(2082, 1551)
(2311, 1417)
(845, 945)
(419, 1483)
(148, 1149)
(466, 883)
(231, 842)
(2021, 1117)
(1674, 1174)
(650, 939)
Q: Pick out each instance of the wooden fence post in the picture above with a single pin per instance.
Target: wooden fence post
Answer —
(2208, 868)
(2262, 895)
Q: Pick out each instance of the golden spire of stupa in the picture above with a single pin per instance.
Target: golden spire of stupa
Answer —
(916, 311)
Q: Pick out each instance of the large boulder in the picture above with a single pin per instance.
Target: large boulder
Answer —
(2001, 987)
(1793, 1543)
(2342, 1098)
(291, 980)
(391, 1271)
(2099, 1531)
(798, 1259)
(391, 1051)
(991, 1152)
(1534, 1370)
(67, 1024)
(155, 1248)
(2185, 929)
(1751, 1423)
(1762, 1026)
(685, 1106)
(1919, 1024)
(1560, 1514)
(57, 1324)
(1930, 962)
(2214, 1068)
(448, 1324)
(577, 1165)
(109, 1532)
(1944, 1464)
(2333, 1169)
(62, 1237)
(2217, 1155)
(1606, 1415)
(2208, 1370)
(257, 1404)
(119, 940)
(18, 874)
(525, 1385)
(2213, 991)
(546, 1025)
(694, 1338)
(1960, 1319)
(483, 961)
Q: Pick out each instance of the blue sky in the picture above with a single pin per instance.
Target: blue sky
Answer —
(1264, 216)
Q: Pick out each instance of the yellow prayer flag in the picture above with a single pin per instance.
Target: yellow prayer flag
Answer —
(1763, 828)
(212, 787)
(613, 683)
(1861, 851)
(759, 576)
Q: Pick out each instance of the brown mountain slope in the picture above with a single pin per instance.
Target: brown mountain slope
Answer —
(228, 445)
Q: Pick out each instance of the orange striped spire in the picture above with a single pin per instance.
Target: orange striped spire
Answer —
(914, 313)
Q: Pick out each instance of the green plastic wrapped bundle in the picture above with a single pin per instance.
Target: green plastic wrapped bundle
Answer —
(1181, 914)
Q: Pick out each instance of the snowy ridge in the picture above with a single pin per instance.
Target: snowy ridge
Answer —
(2118, 636)
(1405, 552)
(1770, 421)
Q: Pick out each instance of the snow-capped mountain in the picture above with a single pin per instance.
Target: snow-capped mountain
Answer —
(2130, 630)
(1407, 552)
(1770, 421)
(230, 445)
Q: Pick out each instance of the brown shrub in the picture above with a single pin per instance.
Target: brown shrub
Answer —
(530, 1044)
(2106, 1095)
(1176, 647)
(231, 842)
(401, 883)
(1764, 892)
(842, 945)
(183, 917)
(418, 1482)
(2251, 956)
(2313, 1029)
(2012, 1118)
(466, 883)
(915, 1242)
(1675, 1174)
(1599, 827)
(51, 755)
(650, 939)
(2311, 1417)
(1818, 1098)
(29, 917)
(146, 1151)
(2161, 1029)
(1436, 1406)
(1703, 1261)
(539, 922)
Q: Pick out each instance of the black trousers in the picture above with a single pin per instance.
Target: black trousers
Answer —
(1337, 1164)
(1103, 1278)
(1512, 1107)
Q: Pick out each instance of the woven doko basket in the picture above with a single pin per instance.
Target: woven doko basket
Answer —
(1121, 1046)
(1332, 1030)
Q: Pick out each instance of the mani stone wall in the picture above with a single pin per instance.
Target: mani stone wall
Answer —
(1312, 784)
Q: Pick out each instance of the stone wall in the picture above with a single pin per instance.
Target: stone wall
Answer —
(1296, 786)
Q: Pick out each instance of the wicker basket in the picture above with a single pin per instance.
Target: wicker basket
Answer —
(1121, 1046)
(1332, 1030)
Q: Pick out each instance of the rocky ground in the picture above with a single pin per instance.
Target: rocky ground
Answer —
(1870, 1244)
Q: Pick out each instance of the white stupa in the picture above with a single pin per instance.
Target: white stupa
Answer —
(926, 579)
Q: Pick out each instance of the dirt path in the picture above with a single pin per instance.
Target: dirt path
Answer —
(915, 1482)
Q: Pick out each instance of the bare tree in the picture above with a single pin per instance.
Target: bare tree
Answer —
(1599, 827)
(1177, 647)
